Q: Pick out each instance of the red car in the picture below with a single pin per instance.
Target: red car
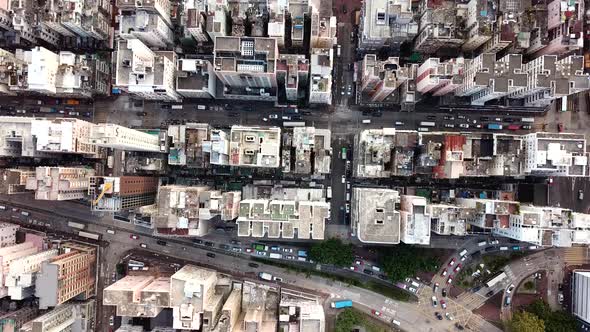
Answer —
(249, 250)
(452, 262)
(450, 280)
(133, 236)
(375, 312)
(444, 273)
(458, 268)
(513, 127)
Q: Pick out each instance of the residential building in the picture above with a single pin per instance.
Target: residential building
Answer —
(14, 180)
(322, 63)
(300, 312)
(374, 218)
(382, 153)
(192, 293)
(486, 78)
(145, 73)
(307, 150)
(380, 79)
(560, 31)
(277, 20)
(188, 211)
(414, 220)
(12, 321)
(554, 154)
(545, 226)
(12, 69)
(580, 295)
(479, 23)
(38, 137)
(149, 27)
(138, 295)
(195, 78)
(188, 142)
(438, 27)
(292, 76)
(439, 78)
(82, 76)
(204, 20)
(69, 275)
(161, 7)
(7, 234)
(24, 24)
(114, 194)
(298, 11)
(255, 146)
(76, 316)
(41, 75)
(60, 183)
(19, 280)
(484, 214)
(385, 23)
(323, 27)
(83, 19)
(9, 254)
(246, 67)
(550, 78)
(114, 136)
(447, 219)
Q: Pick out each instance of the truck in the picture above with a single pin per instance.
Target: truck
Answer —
(75, 225)
(176, 107)
(482, 243)
(427, 124)
(494, 126)
(260, 247)
(89, 235)
(463, 253)
(275, 255)
(265, 276)
(341, 304)
(329, 193)
(496, 280)
(302, 253)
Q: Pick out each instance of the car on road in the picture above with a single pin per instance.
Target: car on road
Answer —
(412, 289)
(198, 241)
(478, 126)
(435, 288)
(510, 289)
(450, 280)
(249, 250)
(143, 245)
(236, 249)
(458, 268)
(134, 237)
(368, 271)
(449, 125)
(254, 265)
(209, 244)
(438, 315)
(289, 250)
(265, 119)
(273, 116)
(509, 120)
(449, 316)
(560, 127)
(443, 304)
(162, 243)
(526, 127)
(444, 292)
(464, 125)
(462, 117)
(444, 273)
(490, 293)
(224, 246)
(358, 262)
(399, 123)
(141, 113)
(210, 254)
(452, 262)
(112, 321)
(354, 268)
(484, 118)
(434, 301)
(459, 327)
(449, 117)
(343, 178)
(375, 312)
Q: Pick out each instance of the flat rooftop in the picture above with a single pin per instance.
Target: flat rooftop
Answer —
(374, 217)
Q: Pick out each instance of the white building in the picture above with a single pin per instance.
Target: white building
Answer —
(374, 218)
(385, 23)
(145, 73)
(555, 154)
(42, 70)
(114, 136)
(320, 86)
(20, 280)
(60, 183)
(148, 27)
(415, 220)
(255, 146)
(439, 78)
(581, 295)
(446, 219)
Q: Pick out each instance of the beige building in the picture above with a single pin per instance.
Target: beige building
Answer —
(374, 218)
(10, 254)
(60, 183)
(415, 220)
(113, 136)
(74, 316)
(255, 146)
(138, 296)
(7, 234)
(113, 194)
(14, 181)
(20, 279)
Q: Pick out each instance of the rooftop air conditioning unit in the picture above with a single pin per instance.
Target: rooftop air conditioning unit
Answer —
(249, 152)
(250, 138)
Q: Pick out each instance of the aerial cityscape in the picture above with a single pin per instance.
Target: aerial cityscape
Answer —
(294, 165)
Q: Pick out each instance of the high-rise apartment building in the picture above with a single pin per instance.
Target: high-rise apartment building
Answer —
(439, 78)
(69, 275)
(255, 146)
(75, 316)
(19, 280)
(385, 23)
(149, 27)
(380, 79)
(439, 27)
(320, 76)
(292, 76)
(241, 75)
(14, 181)
(195, 78)
(197, 145)
(7, 234)
(555, 154)
(479, 23)
(114, 194)
(118, 137)
(559, 30)
(60, 183)
(374, 218)
(415, 220)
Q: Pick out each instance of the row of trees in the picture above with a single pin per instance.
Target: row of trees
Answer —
(333, 252)
(538, 317)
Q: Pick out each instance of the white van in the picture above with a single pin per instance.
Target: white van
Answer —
(396, 322)
(415, 284)
(367, 121)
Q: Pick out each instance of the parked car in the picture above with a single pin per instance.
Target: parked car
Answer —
(452, 262)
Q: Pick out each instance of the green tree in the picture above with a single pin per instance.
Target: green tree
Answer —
(524, 321)
(529, 285)
(332, 251)
(404, 261)
(555, 321)
(347, 320)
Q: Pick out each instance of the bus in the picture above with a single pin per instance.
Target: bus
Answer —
(496, 280)
(76, 225)
(341, 304)
(427, 124)
(529, 120)
(88, 235)
(294, 124)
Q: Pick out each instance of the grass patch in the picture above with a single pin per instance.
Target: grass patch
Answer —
(350, 318)
(385, 290)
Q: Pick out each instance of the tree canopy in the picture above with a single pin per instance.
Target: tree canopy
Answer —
(332, 251)
(555, 321)
(347, 320)
(523, 321)
(404, 261)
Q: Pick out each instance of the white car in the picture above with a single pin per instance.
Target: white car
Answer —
(265, 119)
(273, 116)
(464, 125)
(343, 178)
(510, 289)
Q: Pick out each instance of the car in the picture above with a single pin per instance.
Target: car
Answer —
(209, 244)
(509, 120)
(277, 279)
(290, 257)
(458, 268)
(495, 242)
(434, 301)
(438, 315)
(510, 289)
(560, 127)
(449, 316)
(463, 258)
(490, 293)
(464, 125)
(368, 271)
(358, 262)
(484, 118)
(224, 246)
(249, 250)
(253, 265)
(354, 268)
(198, 241)
(452, 262)
(265, 119)
(478, 126)
(449, 117)
(162, 243)
(286, 117)
(476, 289)
(435, 288)
(444, 273)
(450, 280)
(134, 237)
(261, 253)
(289, 250)
(211, 255)
(73, 113)
(236, 249)
(459, 327)
(141, 113)
(347, 208)
(526, 127)
(375, 312)
(343, 178)
(462, 117)
(21, 111)
(235, 242)
(398, 123)
(412, 289)
(143, 245)
(444, 292)
(273, 116)
(112, 321)
(443, 304)
(449, 125)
